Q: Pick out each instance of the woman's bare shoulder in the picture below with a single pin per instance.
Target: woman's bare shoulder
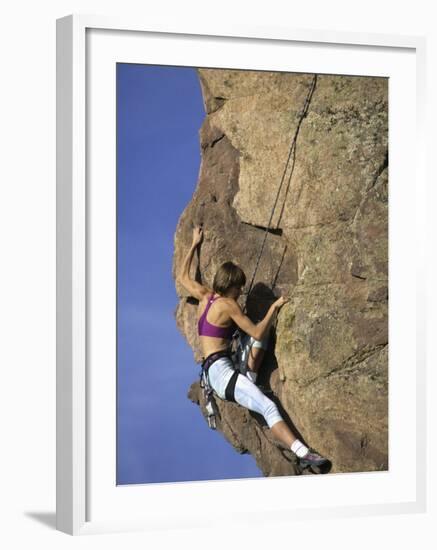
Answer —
(230, 303)
(205, 297)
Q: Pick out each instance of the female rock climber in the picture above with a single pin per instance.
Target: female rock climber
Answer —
(219, 312)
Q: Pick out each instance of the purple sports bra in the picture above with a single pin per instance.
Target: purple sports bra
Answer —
(207, 329)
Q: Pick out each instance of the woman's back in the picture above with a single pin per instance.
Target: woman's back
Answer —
(215, 326)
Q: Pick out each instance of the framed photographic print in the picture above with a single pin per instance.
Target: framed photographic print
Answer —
(237, 317)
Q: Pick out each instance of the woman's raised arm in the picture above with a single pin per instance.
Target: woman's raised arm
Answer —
(192, 286)
(259, 330)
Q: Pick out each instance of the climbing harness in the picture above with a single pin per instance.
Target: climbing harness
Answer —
(208, 393)
(241, 352)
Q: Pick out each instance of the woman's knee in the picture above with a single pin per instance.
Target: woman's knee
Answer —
(271, 413)
(250, 396)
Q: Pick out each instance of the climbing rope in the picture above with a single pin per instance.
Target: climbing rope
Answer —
(302, 115)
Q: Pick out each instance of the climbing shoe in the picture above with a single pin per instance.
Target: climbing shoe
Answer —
(315, 462)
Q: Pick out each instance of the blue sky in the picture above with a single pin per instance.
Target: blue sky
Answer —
(161, 435)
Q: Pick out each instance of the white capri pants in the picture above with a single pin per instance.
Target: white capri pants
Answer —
(246, 394)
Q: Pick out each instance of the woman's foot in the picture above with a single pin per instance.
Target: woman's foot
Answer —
(315, 462)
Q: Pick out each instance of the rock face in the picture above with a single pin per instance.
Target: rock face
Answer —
(327, 250)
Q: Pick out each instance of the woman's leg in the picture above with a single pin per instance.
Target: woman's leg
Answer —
(249, 396)
(283, 433)
(254, 350)
(256, 356)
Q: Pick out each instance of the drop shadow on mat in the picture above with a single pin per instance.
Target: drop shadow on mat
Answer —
(45, 518)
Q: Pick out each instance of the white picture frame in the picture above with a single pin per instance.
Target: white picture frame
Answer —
(75, 347)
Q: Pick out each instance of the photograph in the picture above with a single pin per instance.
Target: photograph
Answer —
(251, 273)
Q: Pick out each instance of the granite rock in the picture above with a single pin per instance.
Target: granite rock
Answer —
(327, 250)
